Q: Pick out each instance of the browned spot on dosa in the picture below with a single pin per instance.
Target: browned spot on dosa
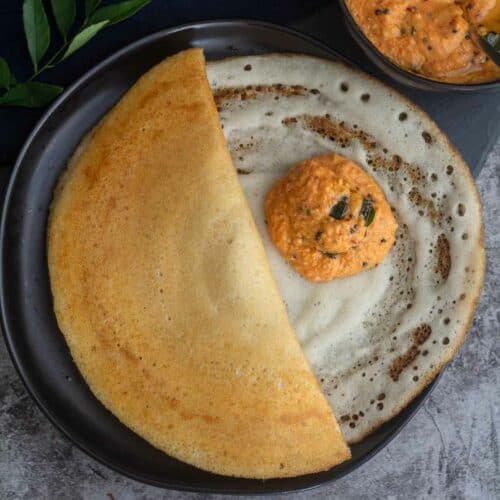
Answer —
(419, 336)
(335, 131)
(343, 134)
(175, 404)
(251, 91)
(443, 264)
(417, 199)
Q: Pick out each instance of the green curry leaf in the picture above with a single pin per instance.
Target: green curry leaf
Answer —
(5, 74)
(30, 94)
(340, 209)
(64, 13)
(330, 255)
(36, 29)
(117, 12)
(83, 37)
(367, 211)
(91, 6)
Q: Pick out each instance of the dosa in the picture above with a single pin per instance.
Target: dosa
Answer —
(163, 292)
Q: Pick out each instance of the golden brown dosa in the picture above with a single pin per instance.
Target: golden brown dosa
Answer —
(163, 292)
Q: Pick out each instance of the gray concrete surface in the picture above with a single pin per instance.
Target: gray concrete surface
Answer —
(450, 450)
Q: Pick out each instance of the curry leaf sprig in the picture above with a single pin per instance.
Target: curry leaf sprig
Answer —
(31, 93)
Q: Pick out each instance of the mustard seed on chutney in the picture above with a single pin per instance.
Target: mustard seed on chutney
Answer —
(437, 39)
(329, 218)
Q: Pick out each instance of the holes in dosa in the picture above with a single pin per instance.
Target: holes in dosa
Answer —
(419, 337)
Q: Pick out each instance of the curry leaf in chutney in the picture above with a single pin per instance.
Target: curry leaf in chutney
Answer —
(367, 211)
(330, 255)
(340, 209)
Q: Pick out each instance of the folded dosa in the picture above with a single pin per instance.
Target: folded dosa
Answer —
(163, 292)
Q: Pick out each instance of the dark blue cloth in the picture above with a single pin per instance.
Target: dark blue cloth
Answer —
(16, 123)
(322, 19)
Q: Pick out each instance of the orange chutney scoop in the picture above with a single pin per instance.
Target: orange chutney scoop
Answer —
(329, 218)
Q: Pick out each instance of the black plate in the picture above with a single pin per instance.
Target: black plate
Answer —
(38, 349)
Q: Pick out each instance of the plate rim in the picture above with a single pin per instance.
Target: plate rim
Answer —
(8, 333)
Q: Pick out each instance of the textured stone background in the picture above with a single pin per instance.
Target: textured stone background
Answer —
(450, 450)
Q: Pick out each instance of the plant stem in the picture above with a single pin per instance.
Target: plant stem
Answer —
(49, 64)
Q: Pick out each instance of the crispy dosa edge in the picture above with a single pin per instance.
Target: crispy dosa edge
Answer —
(459, 164)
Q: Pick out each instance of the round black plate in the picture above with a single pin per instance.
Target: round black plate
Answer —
(37, 347)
